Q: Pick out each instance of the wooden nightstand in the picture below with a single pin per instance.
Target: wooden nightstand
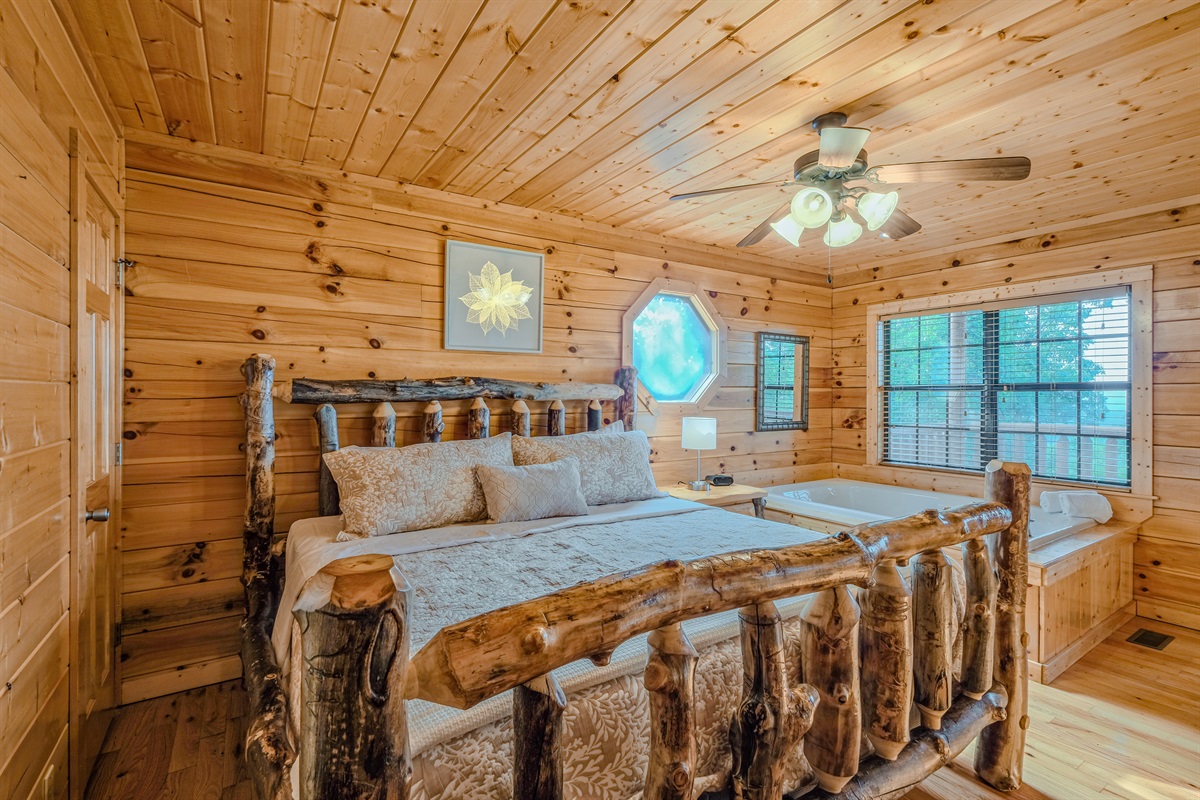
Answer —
(723, 496)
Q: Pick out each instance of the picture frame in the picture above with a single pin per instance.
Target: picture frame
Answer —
(493, 298)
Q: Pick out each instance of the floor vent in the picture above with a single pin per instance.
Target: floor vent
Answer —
(1152, 639)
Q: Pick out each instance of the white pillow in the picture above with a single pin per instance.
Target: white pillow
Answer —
(536, 491)
(613, 468)
(394, 489)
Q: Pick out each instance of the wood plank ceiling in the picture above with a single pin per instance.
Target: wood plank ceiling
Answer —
(603, 108)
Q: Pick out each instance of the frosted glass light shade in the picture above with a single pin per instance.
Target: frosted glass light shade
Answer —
(789, 229)
(876, 208)
(699, 433)
(842, 232)
(811, 207)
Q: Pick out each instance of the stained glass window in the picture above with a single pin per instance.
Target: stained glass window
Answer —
(674, 348)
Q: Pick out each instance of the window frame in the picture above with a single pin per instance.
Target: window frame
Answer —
(700, 398)
(799, 385)
(1138, 279)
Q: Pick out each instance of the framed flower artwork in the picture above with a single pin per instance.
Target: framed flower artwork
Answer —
(493, 299)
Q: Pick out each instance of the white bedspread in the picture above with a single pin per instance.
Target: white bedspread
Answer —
(461, 571)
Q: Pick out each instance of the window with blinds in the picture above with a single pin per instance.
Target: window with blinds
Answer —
(1041, 380)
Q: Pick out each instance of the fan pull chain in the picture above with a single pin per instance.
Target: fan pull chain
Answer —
(829, 265)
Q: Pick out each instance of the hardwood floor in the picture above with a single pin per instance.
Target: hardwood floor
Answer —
(1122, 724)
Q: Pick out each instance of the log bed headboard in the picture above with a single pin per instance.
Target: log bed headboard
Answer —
(867, 660)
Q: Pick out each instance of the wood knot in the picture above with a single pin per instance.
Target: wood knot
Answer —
(943, 746)
(536, 641)
(656, 676)
(841, 693)
(1025, 722)
(681, 775)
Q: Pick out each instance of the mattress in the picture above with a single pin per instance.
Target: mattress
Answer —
(462, 571)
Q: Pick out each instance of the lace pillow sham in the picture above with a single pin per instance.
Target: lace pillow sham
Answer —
(614, 468)
(536, 491)
(395, 489)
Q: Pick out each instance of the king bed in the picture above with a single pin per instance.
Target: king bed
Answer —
(517, 616)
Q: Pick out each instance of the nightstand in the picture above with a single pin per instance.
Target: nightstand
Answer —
(723, 496)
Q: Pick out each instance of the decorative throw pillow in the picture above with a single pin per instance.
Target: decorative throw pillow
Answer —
(537, 491)
(613, 427)
(394, 489)
(614, 468)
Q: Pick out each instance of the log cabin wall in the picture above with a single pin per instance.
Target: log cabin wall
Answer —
(1167, 553)
(47, 88)
(340, 276)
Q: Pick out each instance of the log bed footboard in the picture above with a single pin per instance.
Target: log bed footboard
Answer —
(867, 659)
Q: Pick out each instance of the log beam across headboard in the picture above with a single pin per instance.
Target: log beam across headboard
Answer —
(314, 392)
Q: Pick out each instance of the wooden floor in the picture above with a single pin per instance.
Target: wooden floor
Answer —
(1122, 723)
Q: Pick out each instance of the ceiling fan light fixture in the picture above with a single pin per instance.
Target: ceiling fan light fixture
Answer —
(876, 208)
(789, 229)
(842, 232)
(811, 207)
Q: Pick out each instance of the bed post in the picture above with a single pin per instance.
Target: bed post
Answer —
(979, 628)
(887, 658)
(479, 420)
(595, 419)
(933, 636)
(269, 754)
(537, 739)
(1001, 749)
(772, 718)
(829, 631)
(327, 435)
(383, 431)
(670, 678)
(431, 421)
(520, 419)
(353, 729)
(556, 419)
(627, 402)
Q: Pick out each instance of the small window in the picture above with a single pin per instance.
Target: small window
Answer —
(1045, 381)
(675, 339)
(782, 384)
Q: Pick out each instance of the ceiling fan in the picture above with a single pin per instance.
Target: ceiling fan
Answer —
(826, 195)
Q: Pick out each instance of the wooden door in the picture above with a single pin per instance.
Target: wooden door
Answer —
(96, 402)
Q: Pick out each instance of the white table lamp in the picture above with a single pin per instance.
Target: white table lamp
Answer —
(699, 433)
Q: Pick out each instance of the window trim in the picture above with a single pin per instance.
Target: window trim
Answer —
(720, 334)
(1140, 282)
(800, 384)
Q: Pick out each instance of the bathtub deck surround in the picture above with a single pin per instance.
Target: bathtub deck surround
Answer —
(1080, 573)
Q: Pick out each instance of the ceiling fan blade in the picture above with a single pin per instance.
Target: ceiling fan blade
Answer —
(723, 189)
(840, 146)
(755, 236)
(899, 225)
(1010, 168)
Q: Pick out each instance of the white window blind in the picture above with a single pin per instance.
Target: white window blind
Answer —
(1041, 380)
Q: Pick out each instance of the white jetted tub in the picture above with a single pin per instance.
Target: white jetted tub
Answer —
(834, 504)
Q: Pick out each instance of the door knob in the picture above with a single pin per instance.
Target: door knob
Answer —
(97, 515)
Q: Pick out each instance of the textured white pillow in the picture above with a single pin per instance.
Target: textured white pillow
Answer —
(536, 491)
(617, 426)
(614, 468)
(394, 489)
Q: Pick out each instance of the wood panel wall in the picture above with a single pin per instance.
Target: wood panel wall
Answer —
(45, 91)
(1167, 555)
(339, 276)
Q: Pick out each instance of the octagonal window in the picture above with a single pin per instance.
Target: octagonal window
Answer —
(676, 347)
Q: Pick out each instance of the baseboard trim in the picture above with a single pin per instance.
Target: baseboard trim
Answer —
(1046, 673)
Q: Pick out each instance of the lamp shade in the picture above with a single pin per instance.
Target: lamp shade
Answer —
(876, 208)
(842, 232)
(699, 433)
(812, 207)
(789, 229)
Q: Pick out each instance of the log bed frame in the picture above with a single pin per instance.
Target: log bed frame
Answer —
(870, 662)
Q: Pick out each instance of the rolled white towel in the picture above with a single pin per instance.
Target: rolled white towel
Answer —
(1051, 502)
(1086, 504)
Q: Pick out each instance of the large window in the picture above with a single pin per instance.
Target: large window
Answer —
(1043, 380)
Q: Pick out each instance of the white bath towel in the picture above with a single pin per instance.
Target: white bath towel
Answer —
(1078, 504)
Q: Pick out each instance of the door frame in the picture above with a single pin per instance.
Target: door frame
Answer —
(82, 183)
